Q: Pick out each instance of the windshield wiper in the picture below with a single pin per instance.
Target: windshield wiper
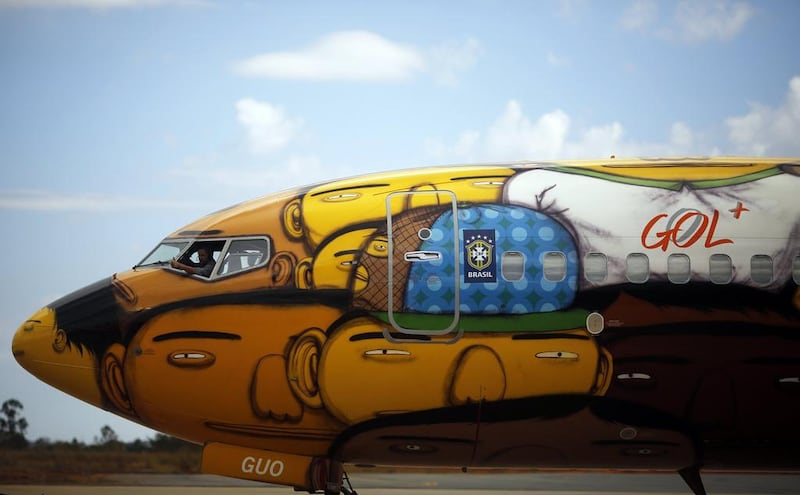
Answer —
(160, 263)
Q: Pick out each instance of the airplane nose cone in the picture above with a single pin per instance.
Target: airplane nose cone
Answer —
(29, 336)
(60, 344)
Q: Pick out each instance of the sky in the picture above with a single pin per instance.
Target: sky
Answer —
(123, 120)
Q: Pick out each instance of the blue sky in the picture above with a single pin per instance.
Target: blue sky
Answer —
(123, 120)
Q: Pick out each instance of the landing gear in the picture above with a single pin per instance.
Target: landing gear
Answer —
(691, 475)
(338, 481)
(347, 490)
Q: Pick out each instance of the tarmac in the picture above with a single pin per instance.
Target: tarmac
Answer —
(559, 483)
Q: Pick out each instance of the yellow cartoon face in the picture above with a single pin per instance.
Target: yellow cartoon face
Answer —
(42, 348)
(216, 372)
(334, 262)
(334, 206)
(479, 366)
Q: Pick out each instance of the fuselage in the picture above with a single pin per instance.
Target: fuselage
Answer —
(636, 314)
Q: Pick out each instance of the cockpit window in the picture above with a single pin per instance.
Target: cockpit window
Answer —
(244, 254)
(163, 253)
(191, 256)
(228, 256)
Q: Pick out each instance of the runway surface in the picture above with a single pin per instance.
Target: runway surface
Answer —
(563, 483)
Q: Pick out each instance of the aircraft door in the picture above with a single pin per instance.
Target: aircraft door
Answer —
(423, 262)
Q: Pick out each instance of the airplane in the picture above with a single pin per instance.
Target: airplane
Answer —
(638, 314)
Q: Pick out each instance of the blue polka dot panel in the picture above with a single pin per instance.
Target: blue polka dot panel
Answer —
(490, 236)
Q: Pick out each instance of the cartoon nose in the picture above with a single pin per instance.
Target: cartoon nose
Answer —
(60, 344)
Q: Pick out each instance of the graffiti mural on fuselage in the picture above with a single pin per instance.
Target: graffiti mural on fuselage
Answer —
(694, 216)
(404, 376)
(288, 355)
(487, 235)
(555, 210)
(337, 206)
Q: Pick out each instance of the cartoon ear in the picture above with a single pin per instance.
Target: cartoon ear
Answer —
(420, 200)
(282, 268)
(292, 219)
(302, 366)
(112, 379)
(270, 394)
(302, 276)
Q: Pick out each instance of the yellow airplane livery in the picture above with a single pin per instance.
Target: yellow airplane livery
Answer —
(627, 314)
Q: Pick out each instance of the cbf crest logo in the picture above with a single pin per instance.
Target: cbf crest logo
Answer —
(479, 256)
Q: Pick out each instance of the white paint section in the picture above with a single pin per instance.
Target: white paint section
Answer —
(744, 220)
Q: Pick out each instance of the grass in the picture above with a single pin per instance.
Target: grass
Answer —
(79, 466)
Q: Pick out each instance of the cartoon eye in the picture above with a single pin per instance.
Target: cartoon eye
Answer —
(195, 359)
(343, 197)
(386, 352)
(556, 355)
(378, 247)
(634, 376)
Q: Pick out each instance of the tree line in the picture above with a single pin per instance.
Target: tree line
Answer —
(13, 428)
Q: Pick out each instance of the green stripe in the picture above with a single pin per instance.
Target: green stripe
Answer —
(708, 184)
(663, 184)
(536, 322)
(670, 184)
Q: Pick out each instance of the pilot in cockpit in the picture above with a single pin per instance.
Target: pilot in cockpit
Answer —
(203, 268)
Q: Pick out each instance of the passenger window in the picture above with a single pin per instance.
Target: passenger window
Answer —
(595, 267)
(761, 269)
(555, 266)
(637, 268)
(244, 254)
(720, 268)
(796, 270)
(512, 266)
(679, 268)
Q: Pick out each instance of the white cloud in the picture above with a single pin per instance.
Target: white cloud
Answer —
(38, 200)
(570, 9)
(514, 136)
(267, 126)
(639, 15)
(693, 21)
(463, 150)
(448, 60)
(96, 4)
(681, 135)
(766, 130)
(598, 141)
(557, 60)
(711, 19)
(252, 180)
(341, 56)
(362, 56)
